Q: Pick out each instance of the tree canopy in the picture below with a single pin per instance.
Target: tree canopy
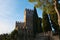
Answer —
(47, 5)
(50, 7)
(46, 22)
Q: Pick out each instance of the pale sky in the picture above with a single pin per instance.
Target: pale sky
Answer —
(12, 11)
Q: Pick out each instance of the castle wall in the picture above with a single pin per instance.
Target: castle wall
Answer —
(19, 25)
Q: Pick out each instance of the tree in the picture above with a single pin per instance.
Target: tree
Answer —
(40, 25)
(49, 6)
(45, 5)
(54, 21)
(14, 34)
(35, 21)
(46, 22)
(5, 37)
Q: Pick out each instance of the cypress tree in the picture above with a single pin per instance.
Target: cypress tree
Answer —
(54, 21)
(40, 25)
(46, 23)
(35, 21)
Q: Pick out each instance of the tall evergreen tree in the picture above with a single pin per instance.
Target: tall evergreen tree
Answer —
(54, 21)
(40, 25)
(35, 21)
(46, 22)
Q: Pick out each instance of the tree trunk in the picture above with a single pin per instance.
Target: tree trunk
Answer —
(57, 11)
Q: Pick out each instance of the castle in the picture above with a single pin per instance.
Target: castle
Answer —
(30, 19)
(30, 26)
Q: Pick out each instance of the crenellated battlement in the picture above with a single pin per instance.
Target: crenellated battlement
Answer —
(29, 10)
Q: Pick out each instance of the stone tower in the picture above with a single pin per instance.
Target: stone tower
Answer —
(28, 19)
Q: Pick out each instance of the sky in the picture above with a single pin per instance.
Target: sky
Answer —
(59, 1)
(12, 11)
